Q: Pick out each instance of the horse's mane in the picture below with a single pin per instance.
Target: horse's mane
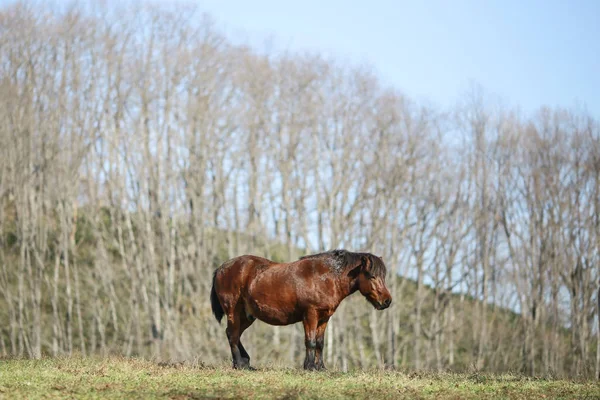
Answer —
(340, 258)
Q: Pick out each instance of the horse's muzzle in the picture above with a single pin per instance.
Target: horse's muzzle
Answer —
(385, 304)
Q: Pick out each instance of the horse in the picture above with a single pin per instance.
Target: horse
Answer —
(247, 288)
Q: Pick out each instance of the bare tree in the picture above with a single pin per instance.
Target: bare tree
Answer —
(140, 148)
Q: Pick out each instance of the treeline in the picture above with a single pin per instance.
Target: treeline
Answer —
(140, 148)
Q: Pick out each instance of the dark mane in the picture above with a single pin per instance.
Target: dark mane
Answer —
(341, 258)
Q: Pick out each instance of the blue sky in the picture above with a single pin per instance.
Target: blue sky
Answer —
(523, 53)
(526, 53)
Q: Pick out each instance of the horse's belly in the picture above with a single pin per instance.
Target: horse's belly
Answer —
(274, 309)
(278, 319)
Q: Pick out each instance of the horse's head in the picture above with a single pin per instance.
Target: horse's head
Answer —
(370, 275)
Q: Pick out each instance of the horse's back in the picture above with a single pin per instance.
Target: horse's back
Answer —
(234, 274)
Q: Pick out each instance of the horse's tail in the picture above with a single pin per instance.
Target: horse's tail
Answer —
(214, 301)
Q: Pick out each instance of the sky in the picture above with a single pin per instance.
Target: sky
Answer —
(524, 53)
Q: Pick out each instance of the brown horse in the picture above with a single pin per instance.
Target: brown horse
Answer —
(247, 288)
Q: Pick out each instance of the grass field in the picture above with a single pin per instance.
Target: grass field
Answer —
(96, 378)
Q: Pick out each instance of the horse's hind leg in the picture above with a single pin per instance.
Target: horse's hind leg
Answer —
(237, 323)
(233, 335)
(245, 322)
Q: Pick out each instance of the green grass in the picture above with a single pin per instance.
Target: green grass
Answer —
(95, 378)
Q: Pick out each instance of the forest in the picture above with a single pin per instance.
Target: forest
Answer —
(141, 147)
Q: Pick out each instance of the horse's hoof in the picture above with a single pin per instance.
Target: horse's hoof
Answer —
(244, 367)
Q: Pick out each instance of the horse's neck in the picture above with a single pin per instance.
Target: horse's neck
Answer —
(347, 285)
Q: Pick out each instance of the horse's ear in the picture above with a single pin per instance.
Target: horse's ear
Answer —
(366, 263)
(360, 267)
(354, 272)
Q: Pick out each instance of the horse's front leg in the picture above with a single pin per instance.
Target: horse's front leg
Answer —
(320, 344)
(310, 321)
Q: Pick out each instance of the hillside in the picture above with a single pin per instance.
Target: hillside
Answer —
(192, 312)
